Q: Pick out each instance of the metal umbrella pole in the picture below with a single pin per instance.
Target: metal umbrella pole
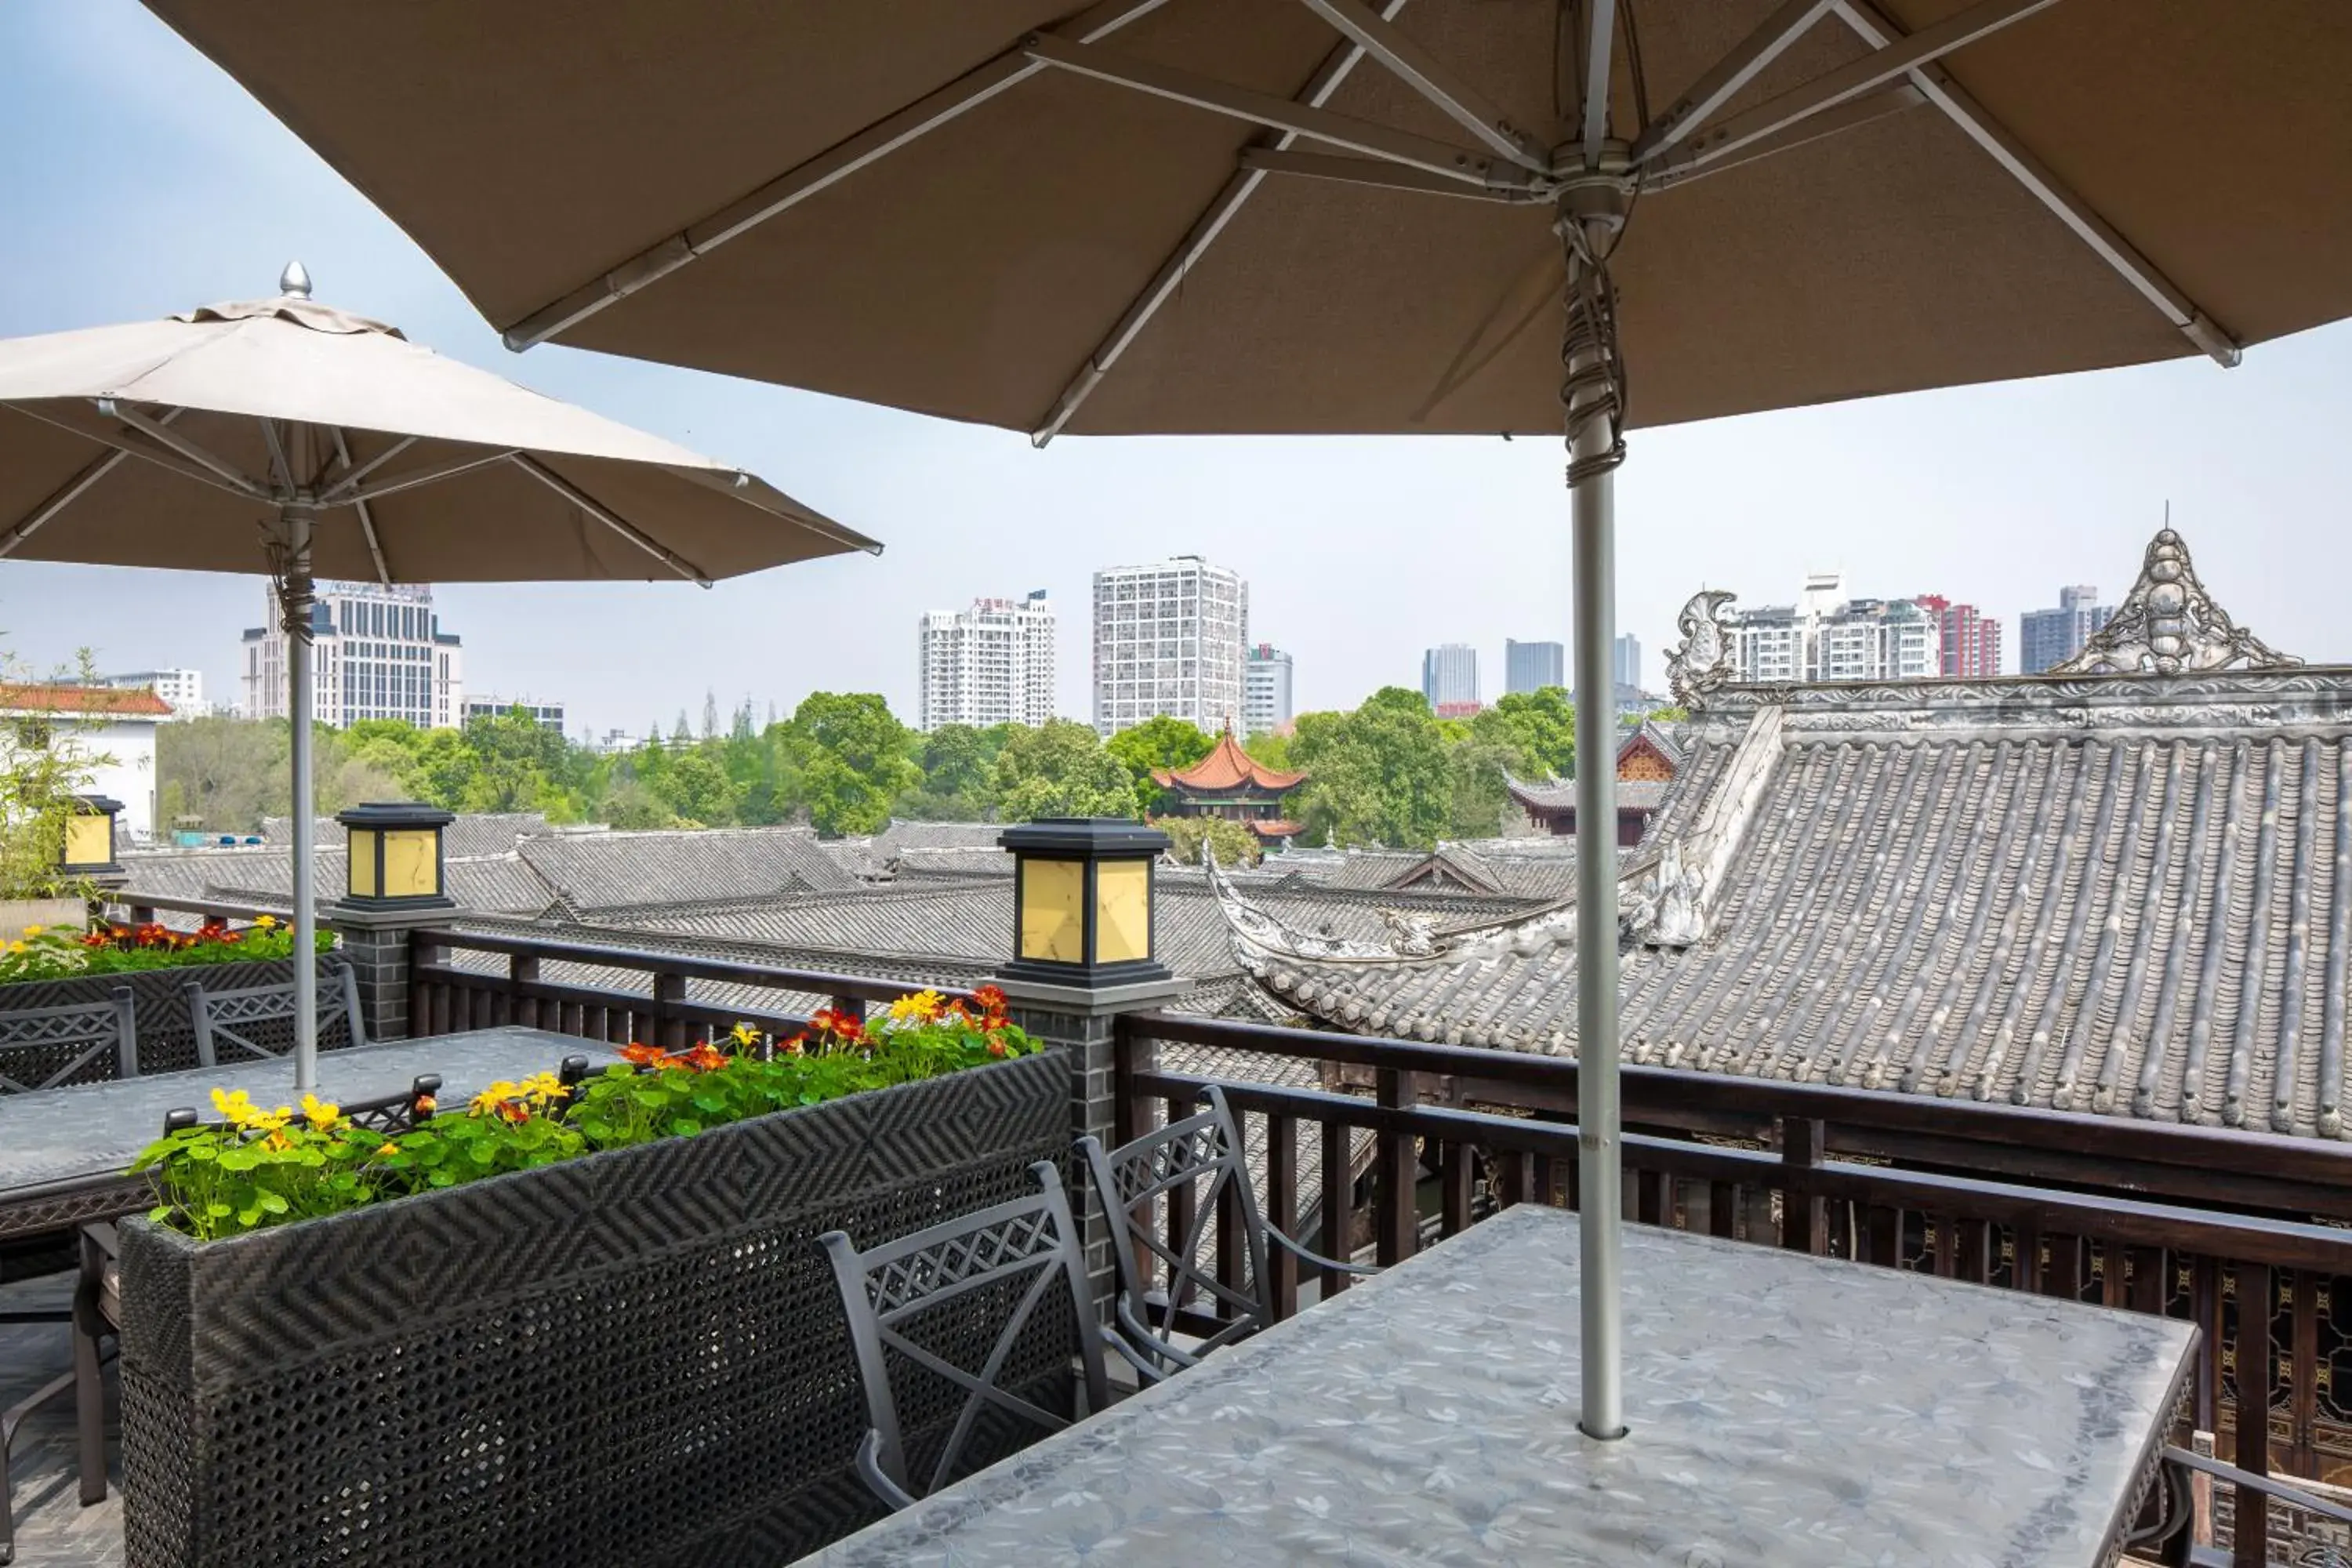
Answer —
(1592, 210)
(294, 601)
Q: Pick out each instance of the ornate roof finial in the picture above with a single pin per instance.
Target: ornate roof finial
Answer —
(295, 281)
(1702, 662)
(2168, 625)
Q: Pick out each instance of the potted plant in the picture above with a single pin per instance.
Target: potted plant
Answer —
(578, 1328)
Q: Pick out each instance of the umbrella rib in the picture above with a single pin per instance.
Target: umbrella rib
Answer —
(1429, 77)
(1277, 114)
(64, 496)
(1828, 122)
(1601, 39)
(173, 441)
(1237, 191)
(1897, 57)
(367, 518)
(1722, 80)
(276, 443)
(352, 477)
(803, 180)
(1370, 172)
(598, 510)
(1876, 29)
(419, 477)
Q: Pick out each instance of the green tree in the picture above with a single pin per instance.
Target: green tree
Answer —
(1538, 728)
(1155, 746)
(1378, 775)
(46, 759)
(854, 759)
(1060, 768)
(1234, 844)
(228, 773)
(697, 790)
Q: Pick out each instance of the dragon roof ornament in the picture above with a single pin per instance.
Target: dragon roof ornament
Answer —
(1702, 662)
(2168, 625)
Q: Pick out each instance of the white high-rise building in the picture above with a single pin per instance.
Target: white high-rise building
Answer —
(1265, 691)
(377, 652)
(1826, 637)
(182, 689)
(1449, 675)
(992, 664)
(1169, 638)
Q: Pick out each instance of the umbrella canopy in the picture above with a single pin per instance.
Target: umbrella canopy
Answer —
(151, 445)
(283, 434)
(1360, 215)
(968, 207)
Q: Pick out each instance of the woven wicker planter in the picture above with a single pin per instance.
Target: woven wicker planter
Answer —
(167, 1039)
(638, 1357)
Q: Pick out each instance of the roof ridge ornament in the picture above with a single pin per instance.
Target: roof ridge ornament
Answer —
(2168, 625)
(1701, 662)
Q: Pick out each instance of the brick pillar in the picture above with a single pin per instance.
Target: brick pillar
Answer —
(1079, 1021)
(376, 944)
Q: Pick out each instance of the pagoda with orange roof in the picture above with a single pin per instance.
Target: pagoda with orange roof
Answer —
(1231, 784)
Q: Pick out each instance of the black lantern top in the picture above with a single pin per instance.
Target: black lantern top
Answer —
(396, 858)
(1084, 901)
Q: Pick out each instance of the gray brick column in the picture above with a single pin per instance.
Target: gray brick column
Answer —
(1079, 1022)
(376, 944)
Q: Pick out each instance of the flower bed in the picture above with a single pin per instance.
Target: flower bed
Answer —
(61, 952)
(592, 1329)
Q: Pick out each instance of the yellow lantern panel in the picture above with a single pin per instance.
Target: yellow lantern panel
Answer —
(1054, 911)
(90, 840)
(410, 864)
(1122, 910)
(363, 853)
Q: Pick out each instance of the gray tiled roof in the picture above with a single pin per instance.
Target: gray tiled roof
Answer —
(616, 870)
(2129, 896)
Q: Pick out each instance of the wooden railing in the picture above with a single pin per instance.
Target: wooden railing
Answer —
(142, 908)
(1448, 1134)
(448, 996)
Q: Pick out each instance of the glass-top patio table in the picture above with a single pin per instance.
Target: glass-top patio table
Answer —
(1786, 1411)
(63, 1151)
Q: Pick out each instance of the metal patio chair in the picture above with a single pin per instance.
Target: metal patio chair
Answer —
(936, 1303)
(83, 1042)
(1202, 1154)
(258, 1021)
(98, 1297)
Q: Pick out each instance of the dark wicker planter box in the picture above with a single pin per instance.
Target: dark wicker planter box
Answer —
(167, 1039)
(636, 1358)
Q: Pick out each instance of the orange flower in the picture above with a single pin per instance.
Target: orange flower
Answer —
(644, 1056)
(996, 1048)
(704, 1059)
(990, 997)
(792, 1045)
(427, 1105)
(512, 1111)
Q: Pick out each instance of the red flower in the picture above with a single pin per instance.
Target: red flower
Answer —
(703, 1059)
(990, 998)
(97, 939)
(644, 1056)
(996, 1048)
(512, 1111)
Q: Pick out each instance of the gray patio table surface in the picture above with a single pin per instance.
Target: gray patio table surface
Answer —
(63, 1151)
(1786, 1411)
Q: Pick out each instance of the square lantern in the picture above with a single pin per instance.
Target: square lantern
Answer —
(1082, 902)
(88, 849)
(396, 857)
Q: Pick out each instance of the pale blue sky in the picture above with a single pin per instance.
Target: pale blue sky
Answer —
(138, 180)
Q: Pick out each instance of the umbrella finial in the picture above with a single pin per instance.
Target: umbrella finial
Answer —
(295, 281)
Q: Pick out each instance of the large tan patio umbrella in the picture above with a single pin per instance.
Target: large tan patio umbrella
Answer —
(282, 434)
(1360, 215)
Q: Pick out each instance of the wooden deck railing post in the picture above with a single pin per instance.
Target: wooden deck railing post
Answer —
(666, 1025)
(522, 969)
(1398, 1162)
(2250, 1522)
(1804, 1219)
(1282, 1210)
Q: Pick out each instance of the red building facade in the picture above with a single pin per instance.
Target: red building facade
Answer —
(1971, 641)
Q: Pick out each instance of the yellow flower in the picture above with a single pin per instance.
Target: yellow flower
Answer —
(745, 1035)
(236, 1108)
(321, 1115)
(266, 923)
(920, 1008)
(15, 947)
(388, 1148)
(492, 1096)
(35, 931)
(541, 1087)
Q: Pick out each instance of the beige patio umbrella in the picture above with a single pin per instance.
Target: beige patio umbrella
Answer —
(282, 434)
(1362, 215)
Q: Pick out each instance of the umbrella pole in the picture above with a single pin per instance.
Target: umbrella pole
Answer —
(294, 616)
(1591, 212)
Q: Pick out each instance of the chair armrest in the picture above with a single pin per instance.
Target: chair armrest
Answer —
(1137, 1335)
(870, 1465)
(1316, 1259)
(1143, 1363)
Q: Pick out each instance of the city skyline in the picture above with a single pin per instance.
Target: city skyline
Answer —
(2002, 493)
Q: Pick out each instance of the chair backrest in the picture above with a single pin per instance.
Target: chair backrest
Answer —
(258, 1021)
(84, 1042)
(1168, 1196)
(957, 1308)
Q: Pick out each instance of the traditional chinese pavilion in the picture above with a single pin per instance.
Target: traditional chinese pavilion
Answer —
(1647, 759)
(1231, 784)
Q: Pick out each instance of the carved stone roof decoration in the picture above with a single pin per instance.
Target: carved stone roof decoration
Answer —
(2168, 625)
(1701, 662)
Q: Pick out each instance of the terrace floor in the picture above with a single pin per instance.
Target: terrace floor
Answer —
(53, 1530)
